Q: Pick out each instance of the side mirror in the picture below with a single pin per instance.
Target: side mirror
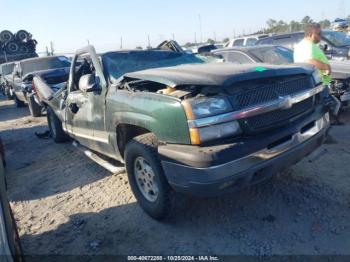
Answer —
(324, 47)
(88, 83)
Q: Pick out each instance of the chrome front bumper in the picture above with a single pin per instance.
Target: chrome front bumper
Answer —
(216, 179)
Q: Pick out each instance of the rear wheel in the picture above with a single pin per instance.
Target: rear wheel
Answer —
(146, 176)
(8, 95)
(55, 126)
(34, 108)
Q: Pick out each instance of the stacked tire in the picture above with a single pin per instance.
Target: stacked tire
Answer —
(16, 43)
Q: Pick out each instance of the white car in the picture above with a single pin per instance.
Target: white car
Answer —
(244, 40)
(340, 23)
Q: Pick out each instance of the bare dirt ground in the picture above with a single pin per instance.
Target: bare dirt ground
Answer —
(66, 204)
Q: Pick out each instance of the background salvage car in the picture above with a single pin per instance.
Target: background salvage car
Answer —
(244, 41)
(5, 78)
(336, 45)
(22, 77)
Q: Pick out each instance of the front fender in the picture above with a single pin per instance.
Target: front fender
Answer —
(162, 115)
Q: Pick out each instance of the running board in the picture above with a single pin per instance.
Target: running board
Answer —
(99, 160)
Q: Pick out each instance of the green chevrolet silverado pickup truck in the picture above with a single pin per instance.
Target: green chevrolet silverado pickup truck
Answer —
(183, 125)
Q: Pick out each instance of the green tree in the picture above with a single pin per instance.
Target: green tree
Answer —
(306, 20)
(274, 26)
(325, 23)
(295, 26)
(225, 40)
(271, 23)
(348, 18)
(211, 41)
(282, 27)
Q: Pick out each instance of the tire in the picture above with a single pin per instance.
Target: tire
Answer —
(6, 36)
(16, 246)
(18, 102)
(144, 149)
(11, 47)
(8, 95)
(34, 108)
(23, 49)
(22, 35)
(55, 126)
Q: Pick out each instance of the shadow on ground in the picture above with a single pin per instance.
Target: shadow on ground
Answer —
(41, 161)
(12, 112)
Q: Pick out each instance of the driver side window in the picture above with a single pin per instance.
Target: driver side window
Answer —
(236, 58)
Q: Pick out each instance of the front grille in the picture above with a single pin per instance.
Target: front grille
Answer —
(254, 93)
(277, 118)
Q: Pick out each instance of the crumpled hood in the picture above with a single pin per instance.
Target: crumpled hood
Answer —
(340, 69)
(217, 74)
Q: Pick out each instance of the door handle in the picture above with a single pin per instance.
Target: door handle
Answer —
(73, 107)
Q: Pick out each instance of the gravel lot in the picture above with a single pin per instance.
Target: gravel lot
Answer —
(66, 204)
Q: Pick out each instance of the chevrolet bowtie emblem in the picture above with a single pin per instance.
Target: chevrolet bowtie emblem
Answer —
(286, 102)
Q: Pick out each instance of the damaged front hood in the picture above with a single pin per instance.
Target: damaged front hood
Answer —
(216, 74)
(340, 69)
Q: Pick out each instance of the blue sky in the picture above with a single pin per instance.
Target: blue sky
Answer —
(70, 23)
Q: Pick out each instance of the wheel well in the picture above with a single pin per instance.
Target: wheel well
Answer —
(125, 133)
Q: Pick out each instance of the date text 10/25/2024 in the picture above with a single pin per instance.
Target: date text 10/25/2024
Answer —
(173, 258)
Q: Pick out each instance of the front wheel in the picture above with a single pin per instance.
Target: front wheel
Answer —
(55, 126)
(146, 176)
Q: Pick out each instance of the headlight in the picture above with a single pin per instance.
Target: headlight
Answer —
(209, 110)
(317, 77)
(204, 107)
(219, 131)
